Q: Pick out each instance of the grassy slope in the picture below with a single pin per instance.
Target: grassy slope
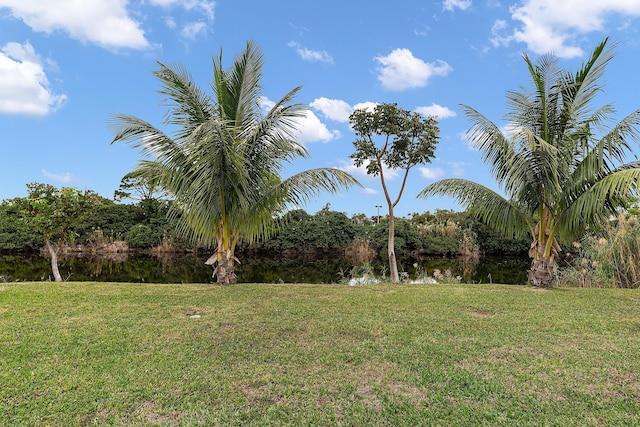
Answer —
(121, 354)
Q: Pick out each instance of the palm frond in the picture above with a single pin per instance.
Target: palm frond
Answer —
(494, 146)
(484, 203)
(188, 105)
(601, 200)
(303, 186)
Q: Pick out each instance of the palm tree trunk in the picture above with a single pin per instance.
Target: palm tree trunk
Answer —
(226, 269)
(543, 252)
(543, 272)
(223, 262)
(54, 260)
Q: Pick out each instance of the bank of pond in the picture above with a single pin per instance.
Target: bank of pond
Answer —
(257, 268)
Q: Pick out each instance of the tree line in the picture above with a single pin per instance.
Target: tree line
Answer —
(144, 225)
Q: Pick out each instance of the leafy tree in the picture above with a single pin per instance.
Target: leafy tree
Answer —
(54, 213)
(407, 140)
(14, 233)
(138, 187)
(326, 230)
(563, 169)
(222, 166)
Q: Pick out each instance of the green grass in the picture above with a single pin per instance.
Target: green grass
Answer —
(123, 354)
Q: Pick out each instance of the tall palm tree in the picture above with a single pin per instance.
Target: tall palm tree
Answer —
(222, 165)
(562, 169)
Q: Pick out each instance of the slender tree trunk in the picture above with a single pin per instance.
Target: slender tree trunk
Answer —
(54, 260)
(393, 264)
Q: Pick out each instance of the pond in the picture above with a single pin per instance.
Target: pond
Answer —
(189, 268)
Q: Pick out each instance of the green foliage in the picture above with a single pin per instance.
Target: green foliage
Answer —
(408, 138)
(56, 213)
(138, 187)
(15, 235)
(142, 236)
(608, 259)
(407, 236)
(325, 230)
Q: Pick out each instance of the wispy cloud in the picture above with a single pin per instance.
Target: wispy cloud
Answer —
(437, 111)
(456, 4)
(311, 55)
(431, 173)
(191, 30)
(66, 178)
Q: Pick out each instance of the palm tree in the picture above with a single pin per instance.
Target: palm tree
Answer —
(562, 169)
(223, 163)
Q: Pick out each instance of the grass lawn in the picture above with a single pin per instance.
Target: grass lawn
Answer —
(138, 354)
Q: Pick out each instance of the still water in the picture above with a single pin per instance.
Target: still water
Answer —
(191, 269)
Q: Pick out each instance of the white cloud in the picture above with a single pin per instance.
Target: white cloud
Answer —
(437, 111)
(66, 178)
(313, 130)
(339, 110)
(106, 23)
(334, 109)
(102, 22)
(311, 55)
(459, 4)
(431, 173)
(371, 191)
(556, 26)
(361, 171)
(192, 29)
(206, 7)
(400, 70)
(24, 86)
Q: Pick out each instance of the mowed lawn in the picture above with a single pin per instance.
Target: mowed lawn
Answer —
(314, 355)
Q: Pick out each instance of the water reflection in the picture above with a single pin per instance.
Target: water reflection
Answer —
(191, 269)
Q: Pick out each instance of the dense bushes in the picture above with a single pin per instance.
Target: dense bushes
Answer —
(145, 225)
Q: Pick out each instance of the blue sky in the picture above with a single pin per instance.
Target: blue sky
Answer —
(66, 66)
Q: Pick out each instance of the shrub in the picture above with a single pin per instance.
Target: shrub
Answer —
(610, 259)
(142, 236)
